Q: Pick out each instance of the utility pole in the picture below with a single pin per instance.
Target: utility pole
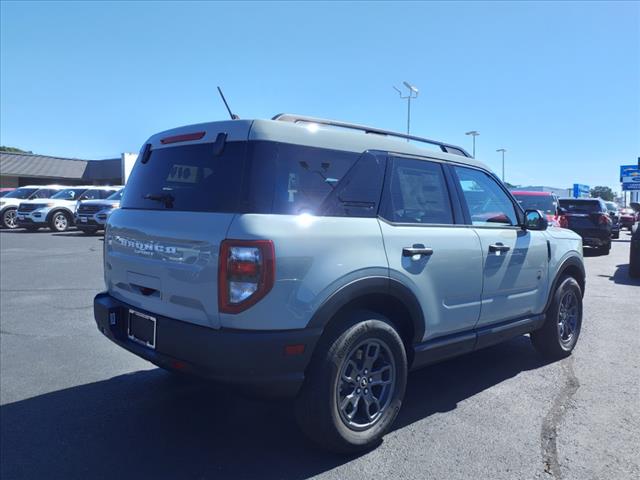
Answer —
(413, 93)
(474, 134)
(502, 150)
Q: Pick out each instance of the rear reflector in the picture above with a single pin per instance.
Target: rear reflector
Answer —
(186, 137)
(291, 350)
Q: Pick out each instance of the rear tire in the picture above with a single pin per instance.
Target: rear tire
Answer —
(342, 408)
(559, 334)
(59, 222)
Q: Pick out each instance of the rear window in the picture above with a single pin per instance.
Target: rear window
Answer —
(544, 203)
(196, 178)
(257, 177)
(581, 206)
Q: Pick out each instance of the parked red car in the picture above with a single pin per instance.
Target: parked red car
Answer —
(546, 202)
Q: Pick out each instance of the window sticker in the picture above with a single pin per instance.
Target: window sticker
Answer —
(183, 174)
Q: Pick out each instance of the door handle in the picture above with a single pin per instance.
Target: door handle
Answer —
(411, 251)
(498, 248)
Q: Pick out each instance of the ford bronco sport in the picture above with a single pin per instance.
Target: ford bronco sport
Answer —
(324, 260)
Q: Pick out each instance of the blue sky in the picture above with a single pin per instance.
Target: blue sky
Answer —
(556, 84)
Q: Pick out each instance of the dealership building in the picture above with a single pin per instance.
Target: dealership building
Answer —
(19, 169)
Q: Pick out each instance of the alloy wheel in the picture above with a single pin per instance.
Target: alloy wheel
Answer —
(60, 222)
(10, 218)
(568, 318)
(366, 383)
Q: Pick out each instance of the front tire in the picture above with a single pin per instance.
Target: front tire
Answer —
(354, 385)
(9, 218)
(558, 336)
(60, 222)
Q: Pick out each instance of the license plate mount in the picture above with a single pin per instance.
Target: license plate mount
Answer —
(141, 328)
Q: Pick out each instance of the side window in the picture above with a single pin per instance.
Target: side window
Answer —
(358, 193)
(91, 195)
(42, 193)
(417, 193)
(488, 204)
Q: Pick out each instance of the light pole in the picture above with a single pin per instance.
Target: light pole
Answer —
(413, 93)
(502, 150)
(474, 134)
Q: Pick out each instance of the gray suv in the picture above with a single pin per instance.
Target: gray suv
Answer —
(324, 260)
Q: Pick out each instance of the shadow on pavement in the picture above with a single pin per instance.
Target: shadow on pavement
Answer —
(152, 424)
(621, 276)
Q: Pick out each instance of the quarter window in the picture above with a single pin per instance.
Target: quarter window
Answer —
(417, 193)
(488, 204)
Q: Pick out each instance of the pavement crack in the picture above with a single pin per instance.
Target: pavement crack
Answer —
(554, 416)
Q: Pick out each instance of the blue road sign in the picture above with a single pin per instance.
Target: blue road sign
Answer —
(580, 191)
(630, 177)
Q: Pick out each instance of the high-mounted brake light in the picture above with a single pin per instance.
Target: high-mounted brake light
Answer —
(185, 137)
(246, 273)
(563, 221)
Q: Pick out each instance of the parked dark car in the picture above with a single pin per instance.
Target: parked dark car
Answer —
(590, 219)
(634, 252)
(614, 213)
(627, 218)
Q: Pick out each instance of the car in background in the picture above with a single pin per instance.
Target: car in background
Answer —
(614, 213)
(634, 252)
(57, 212)
(627, 218)
(546, 202)
(590, 219)
(9, 202)
(4, 191)
(91, 215)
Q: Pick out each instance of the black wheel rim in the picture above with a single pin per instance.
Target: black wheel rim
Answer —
(365, 384)
(568, 318)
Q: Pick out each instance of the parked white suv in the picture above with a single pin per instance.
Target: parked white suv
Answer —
(58, 211)
(323, 260)
(9, 203)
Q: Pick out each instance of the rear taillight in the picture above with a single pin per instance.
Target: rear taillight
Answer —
(246, 273)
(604, 219)
(562, 220)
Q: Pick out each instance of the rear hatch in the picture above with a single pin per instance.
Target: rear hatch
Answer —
(162, 245)
(584, 216)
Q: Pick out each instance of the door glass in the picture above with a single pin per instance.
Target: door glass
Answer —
(488, 204)
(417, 193)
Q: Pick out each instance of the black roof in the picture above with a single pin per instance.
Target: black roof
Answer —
(31, 165)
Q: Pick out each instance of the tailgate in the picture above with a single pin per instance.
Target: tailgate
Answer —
(166, 262)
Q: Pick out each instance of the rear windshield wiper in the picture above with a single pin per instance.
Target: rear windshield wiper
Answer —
(166, 198)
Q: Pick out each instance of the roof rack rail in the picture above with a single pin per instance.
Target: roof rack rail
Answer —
(445, 147)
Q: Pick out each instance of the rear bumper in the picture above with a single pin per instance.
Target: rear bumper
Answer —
(253, 359)
(593, 237)
(90, 221)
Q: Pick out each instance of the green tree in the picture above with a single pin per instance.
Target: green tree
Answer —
(12, 150)
(604, 193)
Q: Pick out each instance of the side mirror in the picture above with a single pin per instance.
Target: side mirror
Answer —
(535, 220)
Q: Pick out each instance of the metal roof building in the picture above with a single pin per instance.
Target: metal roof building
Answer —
(17, 169)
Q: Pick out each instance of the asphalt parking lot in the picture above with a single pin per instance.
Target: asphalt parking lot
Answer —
(73, 405)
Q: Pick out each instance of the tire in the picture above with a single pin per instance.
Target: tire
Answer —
(605, 249)
(9, 218)
(615, 236)
(559, 334)
(60, 222)
(634, 265)
(360, 424)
